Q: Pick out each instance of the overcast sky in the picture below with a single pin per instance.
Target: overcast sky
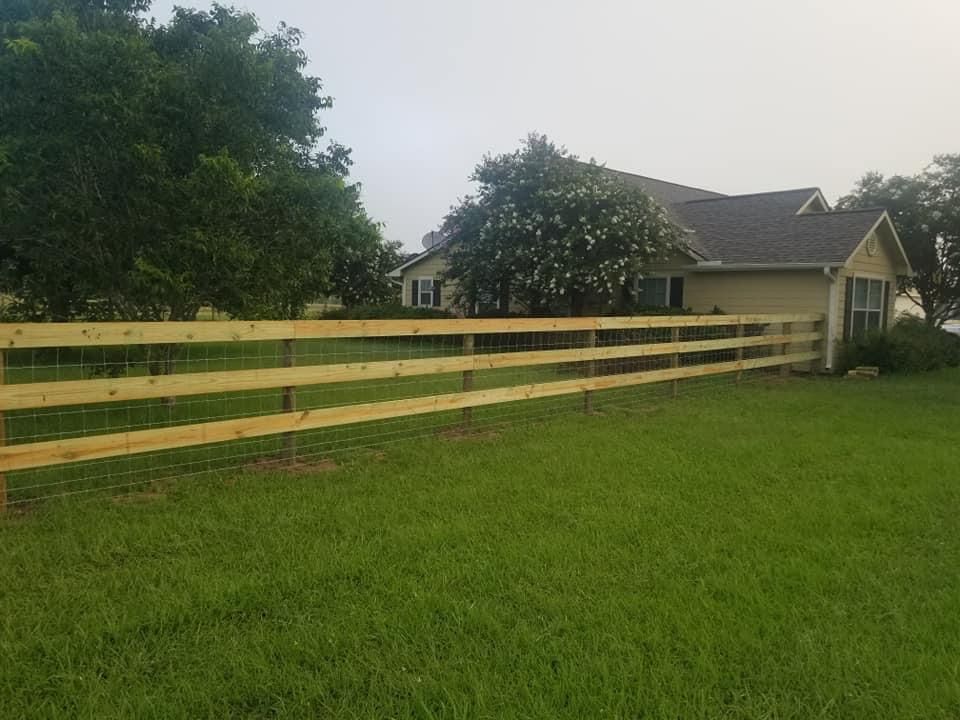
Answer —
(735, 96)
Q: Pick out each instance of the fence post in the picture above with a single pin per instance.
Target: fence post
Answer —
(288, 444)
(467, 380)
(786, 329)
(591, 342)
(819, 366)
(675, 358)
(3, 436)
(740, 333)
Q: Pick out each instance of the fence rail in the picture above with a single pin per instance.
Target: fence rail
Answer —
(680, 344)
(39, 335)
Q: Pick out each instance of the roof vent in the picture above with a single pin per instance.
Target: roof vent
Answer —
(872, 244)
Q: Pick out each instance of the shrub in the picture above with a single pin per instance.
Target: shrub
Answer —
(391, 311)
(909, 346)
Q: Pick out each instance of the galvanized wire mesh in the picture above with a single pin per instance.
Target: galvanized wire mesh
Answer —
(283, 451)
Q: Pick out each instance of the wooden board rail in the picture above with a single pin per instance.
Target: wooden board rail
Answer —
(55, 452)
(41, 335)
(25, 396)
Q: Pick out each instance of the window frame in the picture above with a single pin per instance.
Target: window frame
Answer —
(879, 312)
(421, 291)
(669, 277)
(495, 304)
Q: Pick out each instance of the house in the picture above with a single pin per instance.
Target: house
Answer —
(785, 251)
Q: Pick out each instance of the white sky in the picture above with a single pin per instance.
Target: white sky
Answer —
(734, 96)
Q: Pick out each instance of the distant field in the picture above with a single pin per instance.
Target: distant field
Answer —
(781, 550)
(313, 311)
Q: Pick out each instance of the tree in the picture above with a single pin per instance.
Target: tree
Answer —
(552, 232)
(925, 209)
(360, 270)
(148, 169)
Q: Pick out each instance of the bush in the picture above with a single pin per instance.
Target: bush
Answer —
(392, 311)
(909, 346)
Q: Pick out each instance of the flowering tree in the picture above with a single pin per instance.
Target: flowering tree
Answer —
(551, 232)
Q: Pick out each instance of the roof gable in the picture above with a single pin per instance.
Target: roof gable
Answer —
(776, 228)
(785, 227)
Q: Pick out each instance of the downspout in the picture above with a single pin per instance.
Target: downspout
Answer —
(832, 279)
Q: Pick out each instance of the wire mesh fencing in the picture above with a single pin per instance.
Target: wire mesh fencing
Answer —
(117, 406)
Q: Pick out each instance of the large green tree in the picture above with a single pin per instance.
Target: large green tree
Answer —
(554, 233)
(148, 169)
(926, 212)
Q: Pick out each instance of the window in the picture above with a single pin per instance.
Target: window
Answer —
(487, 302)
(654, 291)
(867, 301)
(425, 291)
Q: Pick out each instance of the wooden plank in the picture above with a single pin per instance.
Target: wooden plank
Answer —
(3, 438)
(468, 342)
(288, 401)
(590, 342)
(56, 452)
(820, 345)
(786, 329)
(25, 396)
(675, 358)
(740, 331)
(36, 335)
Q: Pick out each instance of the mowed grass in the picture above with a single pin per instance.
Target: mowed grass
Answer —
(781, 550)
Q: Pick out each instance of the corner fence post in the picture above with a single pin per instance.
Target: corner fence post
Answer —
(820, 346)
(591, 342)
(675, 358)
(740, 333)
(3, 436)
(786, 329)
(468, 342)
(288, 444)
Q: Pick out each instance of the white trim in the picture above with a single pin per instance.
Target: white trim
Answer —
(816, 196)
(667, 274)
(884, 300)
(397, 271)
(433, 283)
(476, 305)
(896, 238)
(718, 266)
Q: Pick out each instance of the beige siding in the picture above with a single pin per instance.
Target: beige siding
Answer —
(676, 261)
(757, 291)
(790, 291)
(883, 263)
(429, 267)
(882, 266)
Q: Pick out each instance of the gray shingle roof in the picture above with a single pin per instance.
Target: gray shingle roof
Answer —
(664, 192)
(764, 229)
(756, 229)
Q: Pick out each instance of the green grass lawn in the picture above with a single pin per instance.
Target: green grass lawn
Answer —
(781, 550)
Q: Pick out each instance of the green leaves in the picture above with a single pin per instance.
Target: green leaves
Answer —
(925, 209)
(21, 46)
(149, 169)
(552, 232)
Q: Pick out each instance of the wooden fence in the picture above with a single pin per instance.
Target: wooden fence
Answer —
(785, 348)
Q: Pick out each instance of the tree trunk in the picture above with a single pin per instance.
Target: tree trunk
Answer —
(504, 298)
(577, 303)
(162, 360)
